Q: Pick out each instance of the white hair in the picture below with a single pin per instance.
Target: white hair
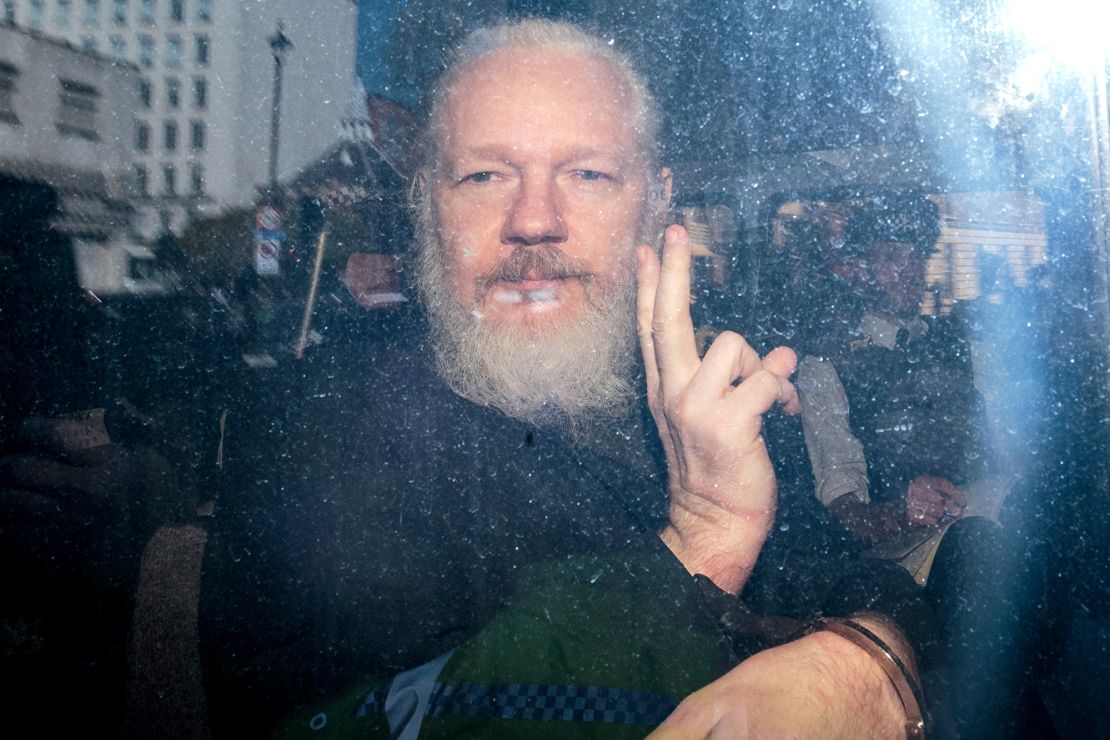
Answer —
(539, 34)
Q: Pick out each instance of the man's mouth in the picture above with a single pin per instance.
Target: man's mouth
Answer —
(533, 292)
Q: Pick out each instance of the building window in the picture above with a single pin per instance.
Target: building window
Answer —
(92, 12)
(204, 10)
(64, 7)
(169, 180)
(202, 48)
(9, 76)
(119, 12)
(119, 49)
(36, 14)
(173, 93)
(177, 10)
(197, 135)
(77, 106)
(141, 269)
(9, 12)
(148, 12)
(142, 181)
(200, 93)
(142, 137)
(88, 43)
(144, 93)
(146, 51)
(169, 138)
(196, 173)
(174, 51)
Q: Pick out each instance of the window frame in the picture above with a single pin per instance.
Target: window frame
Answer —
(147, 50)
(169, 180)
(200, 93)
(142, 136)
(198, 136)
(91, 16)
(9, 93)
(78, 106)
(203, 49)
(175, 50)
(170, 135)
(173, 93)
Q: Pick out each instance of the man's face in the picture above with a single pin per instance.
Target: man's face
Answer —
(897, 279)
(539, 190)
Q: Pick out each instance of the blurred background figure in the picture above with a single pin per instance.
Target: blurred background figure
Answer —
(890, 414)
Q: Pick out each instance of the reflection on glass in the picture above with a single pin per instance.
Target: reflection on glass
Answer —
(156, 284)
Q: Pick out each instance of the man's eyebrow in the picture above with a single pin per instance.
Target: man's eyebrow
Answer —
(501, 153)
(621, 159)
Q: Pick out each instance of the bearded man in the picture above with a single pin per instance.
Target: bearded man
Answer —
(469, 507)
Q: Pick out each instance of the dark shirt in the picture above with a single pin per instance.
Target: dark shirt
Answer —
(914, 407)
(379, 520)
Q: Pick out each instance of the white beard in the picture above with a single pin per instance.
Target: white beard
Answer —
(570, 376)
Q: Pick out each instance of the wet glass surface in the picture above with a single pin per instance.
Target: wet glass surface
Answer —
(141, 313)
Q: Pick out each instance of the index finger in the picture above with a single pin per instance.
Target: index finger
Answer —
(672, 328)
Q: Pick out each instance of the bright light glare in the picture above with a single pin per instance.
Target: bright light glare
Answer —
(1075, 32)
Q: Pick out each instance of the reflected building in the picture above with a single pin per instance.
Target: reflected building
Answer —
(199, 134)
(64, 121)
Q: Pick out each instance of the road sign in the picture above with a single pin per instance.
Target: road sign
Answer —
(266, 257)
(268, 218)
(268, 236)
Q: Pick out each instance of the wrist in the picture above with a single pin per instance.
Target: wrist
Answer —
(721, 544)
(888, 658)
(893, 517)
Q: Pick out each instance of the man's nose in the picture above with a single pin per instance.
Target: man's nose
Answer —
(536, 216)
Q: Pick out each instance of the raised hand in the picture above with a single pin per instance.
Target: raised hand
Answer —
(709, 415)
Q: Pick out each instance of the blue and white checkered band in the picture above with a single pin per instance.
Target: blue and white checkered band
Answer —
(559, 703)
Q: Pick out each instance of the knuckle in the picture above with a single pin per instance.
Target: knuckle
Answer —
(732, 343)
(728, 339)
(767, 381)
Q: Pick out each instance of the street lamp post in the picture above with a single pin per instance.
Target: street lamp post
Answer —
(269, 230)
(279, 44)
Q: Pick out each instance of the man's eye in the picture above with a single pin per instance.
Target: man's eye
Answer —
(478, 177)
(593, 175)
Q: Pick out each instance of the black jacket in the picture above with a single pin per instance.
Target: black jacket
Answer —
(377, 519)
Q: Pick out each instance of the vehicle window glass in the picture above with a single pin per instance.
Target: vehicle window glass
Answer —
(217, 215)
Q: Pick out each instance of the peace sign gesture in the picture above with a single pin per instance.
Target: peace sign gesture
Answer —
(709, 415)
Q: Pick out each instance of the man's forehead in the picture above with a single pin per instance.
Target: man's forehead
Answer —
(519, 99)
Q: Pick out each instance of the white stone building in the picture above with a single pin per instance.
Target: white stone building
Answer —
(200, 134)
(65, 119)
